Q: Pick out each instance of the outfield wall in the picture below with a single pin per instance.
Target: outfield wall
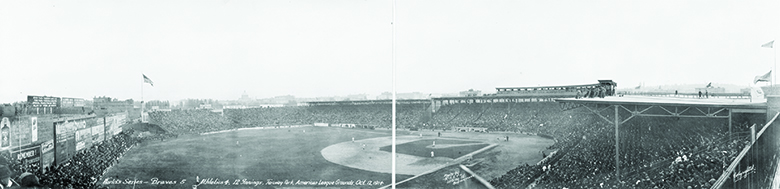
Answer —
(31, 139)
(73, 135)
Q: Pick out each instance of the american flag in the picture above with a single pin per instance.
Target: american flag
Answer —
(147, 80)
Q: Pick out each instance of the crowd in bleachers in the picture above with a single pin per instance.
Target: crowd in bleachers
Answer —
(658, 147)
(650, 147)
(519, 177)
(376, 115)
(598, 92)
(190, 121)
(84, 169)
(373, 115)
(527, 117)
(655, 152)
(652, 151)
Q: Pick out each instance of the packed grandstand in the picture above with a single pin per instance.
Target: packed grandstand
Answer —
(658, 152)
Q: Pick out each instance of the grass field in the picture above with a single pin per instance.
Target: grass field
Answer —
(276, 154)
(421, 148)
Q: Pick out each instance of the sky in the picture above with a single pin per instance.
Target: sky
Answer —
(218, 49)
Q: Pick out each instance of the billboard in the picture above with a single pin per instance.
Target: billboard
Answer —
(65, 129)
(5, 133)
(95, 121)
(47, 153)
(65, 145)
(72, 102)
(20, 131)
(83, 138)
(107, 127)
(97, 134)
(114, 123)
(28, 154)
(80, 124)
(42, 101)
(64, 149)
(34, 128)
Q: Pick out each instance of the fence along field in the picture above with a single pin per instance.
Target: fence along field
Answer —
(30, 139)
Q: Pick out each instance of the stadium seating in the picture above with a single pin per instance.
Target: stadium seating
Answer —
(190, 121)
(655, 152)
(83, 170)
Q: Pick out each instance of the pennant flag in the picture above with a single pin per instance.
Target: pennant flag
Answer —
(769, 45)
(709, 85)
(765, 77)
(147, 80)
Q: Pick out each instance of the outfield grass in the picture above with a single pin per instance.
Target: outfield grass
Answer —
(276, 154)
(420, 148)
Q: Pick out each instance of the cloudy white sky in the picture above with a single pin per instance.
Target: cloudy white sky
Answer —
(218, 49)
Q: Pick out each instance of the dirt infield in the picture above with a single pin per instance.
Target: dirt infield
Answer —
(371, 158)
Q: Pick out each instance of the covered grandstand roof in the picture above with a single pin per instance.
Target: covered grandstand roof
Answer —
(355, 102)
(670, 101)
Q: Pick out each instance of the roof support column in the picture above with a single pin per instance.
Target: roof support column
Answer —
(617, 143)
(729, 124)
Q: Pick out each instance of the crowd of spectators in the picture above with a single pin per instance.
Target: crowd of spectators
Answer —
(190, 121)
(654, 152)
(370, 115)
(376, 115)
(599, 92)
(84, 169)
(519, 177)
(513, 117)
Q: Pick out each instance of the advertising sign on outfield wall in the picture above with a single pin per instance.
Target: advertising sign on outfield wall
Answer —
(83, 138)
(5, 133)
(47, 153)
(97, 134)
(28, 154)
(34, 128)
(65, 144)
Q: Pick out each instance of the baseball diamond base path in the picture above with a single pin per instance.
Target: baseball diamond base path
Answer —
(352, 154)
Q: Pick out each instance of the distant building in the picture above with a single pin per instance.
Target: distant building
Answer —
(283, 99)
(111, 104)
(471, 92)
(235, 107)
(204, 106)
(158, 104)
(245, 98)
(357, 97)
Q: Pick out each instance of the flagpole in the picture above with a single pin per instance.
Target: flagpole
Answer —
(393, 122)
(142, 98)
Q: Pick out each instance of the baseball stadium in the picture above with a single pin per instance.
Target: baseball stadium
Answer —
(520, 137)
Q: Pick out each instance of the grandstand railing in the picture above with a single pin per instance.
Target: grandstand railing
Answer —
(754, 167)
(689, 95)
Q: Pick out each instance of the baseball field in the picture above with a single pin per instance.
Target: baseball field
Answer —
(298, 157)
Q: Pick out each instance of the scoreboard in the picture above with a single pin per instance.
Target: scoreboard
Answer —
(43, 101)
